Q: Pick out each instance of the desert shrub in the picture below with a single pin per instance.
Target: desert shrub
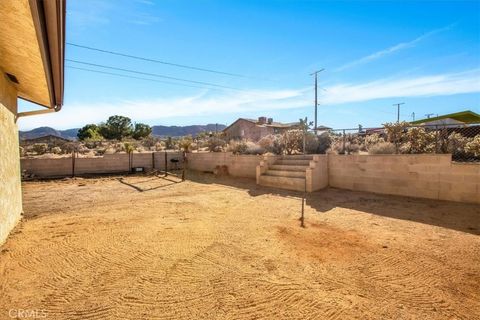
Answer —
(128, 147)
(237, 146)
(455, 144)
(21, 151)
(272, 144)
(418, 140)
(372, 140)
(40, 148)
(102, 151)
(185, 143)
(169, 143)
(254, 148)
(382, 148)
(473, 146)
(56, 150)
(292, 141)
(395, 131)
(159, 146)
(149, 142)
(348, 144)
(324, 142)
(216, 144)
(119, 147)
(311, 144)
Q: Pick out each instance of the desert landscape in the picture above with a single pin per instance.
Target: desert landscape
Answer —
(223, 248)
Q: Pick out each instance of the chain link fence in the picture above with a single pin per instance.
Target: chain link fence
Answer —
(462, 141)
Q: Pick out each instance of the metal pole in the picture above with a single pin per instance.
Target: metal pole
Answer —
(166, 164)
(316, 95)
(316, 101)
(344, 137)
(398, 110)
(304, 196)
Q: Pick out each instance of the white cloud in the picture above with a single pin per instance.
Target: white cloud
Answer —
(423, 86)
(230, 102)
(390, 50)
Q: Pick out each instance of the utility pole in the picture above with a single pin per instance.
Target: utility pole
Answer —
(316, 96)
(398, 110)
(413, 116)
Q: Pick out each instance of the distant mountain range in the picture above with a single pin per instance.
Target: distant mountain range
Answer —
(179, 131)
(160, 131)
(45, 131)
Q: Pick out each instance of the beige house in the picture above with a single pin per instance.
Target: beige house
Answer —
(255, 130)
(32, 41)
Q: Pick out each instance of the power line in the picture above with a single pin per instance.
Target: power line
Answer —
(139, 78)
(156, 61)
(151, 74)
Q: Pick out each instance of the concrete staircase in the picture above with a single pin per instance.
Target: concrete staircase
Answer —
(285, 172)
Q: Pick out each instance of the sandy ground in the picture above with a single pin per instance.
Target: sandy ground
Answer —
(220, 248)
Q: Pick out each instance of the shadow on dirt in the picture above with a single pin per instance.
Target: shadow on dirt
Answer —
(462, 217)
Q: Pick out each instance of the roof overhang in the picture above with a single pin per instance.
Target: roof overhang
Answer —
(32, 49)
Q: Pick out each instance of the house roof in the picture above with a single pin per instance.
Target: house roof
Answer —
(272, 125)
(463, 116)
(32, 43)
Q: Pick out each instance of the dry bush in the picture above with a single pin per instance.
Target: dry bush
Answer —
(455, 144)
(272, 144)
(348, 144)
(216, 144)
(160, 146)
(418, 140)
(56, 150)
(372, 140)
(185, 143)
(292, 140)
(382, 148)
(21, 151)
(40, 148)
(473, 146)
(254, 148)
(237, 146)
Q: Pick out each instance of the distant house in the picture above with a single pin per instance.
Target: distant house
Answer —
(254, 130)
(459, 118)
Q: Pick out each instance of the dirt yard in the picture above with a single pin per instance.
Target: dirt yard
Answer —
(143, 247)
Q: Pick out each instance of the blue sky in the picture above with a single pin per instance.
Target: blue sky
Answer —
(426, 54)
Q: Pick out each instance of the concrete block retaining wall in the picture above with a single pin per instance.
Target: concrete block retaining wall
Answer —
(426, 176)
(109, 163)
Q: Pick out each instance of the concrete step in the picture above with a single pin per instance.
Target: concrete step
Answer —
(287, 167)
(288, 183)
(286, 173)
(291, 162)
(297, 157)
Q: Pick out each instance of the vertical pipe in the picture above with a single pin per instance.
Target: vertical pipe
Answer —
(153, 160)
(344, 137)
(166, 163)
(73, 163)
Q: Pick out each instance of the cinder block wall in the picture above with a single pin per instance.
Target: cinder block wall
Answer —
(243, 165)
(109, 163)
(238, 165)
(424, 176)
(10, 185)
(61, 167)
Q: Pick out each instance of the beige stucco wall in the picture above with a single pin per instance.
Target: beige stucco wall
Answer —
(424, 176)
(10, 185)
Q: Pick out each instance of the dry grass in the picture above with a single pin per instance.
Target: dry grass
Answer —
(217, 248)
